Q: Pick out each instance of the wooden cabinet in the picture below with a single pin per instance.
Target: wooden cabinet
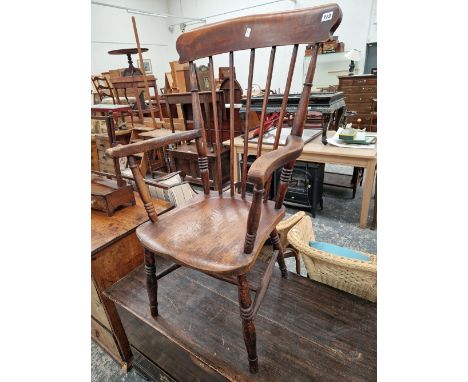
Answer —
(115, 251)
(359, 93)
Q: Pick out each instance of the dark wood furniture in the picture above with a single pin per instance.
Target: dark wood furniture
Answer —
(307, 331)
(359, 92)
(131, 70)
(221, 234)
(185, 158)
(185, 100)
(115, 251)
(330, 104)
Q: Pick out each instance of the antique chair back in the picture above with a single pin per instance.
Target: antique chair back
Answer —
(302, 26)
(103, 88)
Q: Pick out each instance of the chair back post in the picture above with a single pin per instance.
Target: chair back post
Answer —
(112, 141)
(298, 126)
(142, 188)
(199, 125)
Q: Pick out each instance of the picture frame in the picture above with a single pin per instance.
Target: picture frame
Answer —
(146, 65)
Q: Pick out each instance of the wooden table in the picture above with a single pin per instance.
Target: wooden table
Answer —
(115, 251)
(315, 151)
(131, 70)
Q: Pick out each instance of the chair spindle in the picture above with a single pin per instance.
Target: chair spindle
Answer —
(219, 179)
(231, 120)
(265, 100)
(198, 124)
(247, 113)
(287, 88)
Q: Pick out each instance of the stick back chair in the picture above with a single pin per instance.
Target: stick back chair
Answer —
(221, 233)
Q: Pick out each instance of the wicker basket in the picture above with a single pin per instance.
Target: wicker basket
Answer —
(353, 276)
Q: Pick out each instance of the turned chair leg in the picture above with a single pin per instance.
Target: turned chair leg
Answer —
(151, 282)
(298, 263)
(275, 240)
(246, 312)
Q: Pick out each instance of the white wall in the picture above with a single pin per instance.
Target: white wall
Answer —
(115, 25)
(353, 31)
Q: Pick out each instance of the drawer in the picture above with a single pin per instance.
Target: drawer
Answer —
(362, 107)
(99, 203)
(359, 89)
(104, 338)
(97, 309)
(358, 81)
(355, 98)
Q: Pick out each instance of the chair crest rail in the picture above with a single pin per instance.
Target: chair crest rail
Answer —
(299, 26)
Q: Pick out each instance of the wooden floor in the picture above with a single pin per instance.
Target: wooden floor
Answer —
(306, 331)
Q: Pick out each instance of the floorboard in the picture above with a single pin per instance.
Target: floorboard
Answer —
(304, 329)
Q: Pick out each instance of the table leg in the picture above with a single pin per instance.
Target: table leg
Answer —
(131, 118)
(139, 105)
(326, 120)
(338, 116)
(367, 193)
(171, 118)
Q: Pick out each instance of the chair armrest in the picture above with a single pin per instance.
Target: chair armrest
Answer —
(151, 144)
(263, 167)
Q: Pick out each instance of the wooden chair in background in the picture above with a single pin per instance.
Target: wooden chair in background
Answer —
(104, 90)
(109, 97)
(221, 233)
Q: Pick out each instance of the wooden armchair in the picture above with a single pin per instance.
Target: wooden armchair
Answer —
(221, 233)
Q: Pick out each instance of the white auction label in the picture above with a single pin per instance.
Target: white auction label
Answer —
(327, 16)
(247, 32)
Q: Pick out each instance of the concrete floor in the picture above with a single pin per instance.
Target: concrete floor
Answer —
(337, 224)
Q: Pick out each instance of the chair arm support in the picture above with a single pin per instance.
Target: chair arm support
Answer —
(151, 144)
(263, 167)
